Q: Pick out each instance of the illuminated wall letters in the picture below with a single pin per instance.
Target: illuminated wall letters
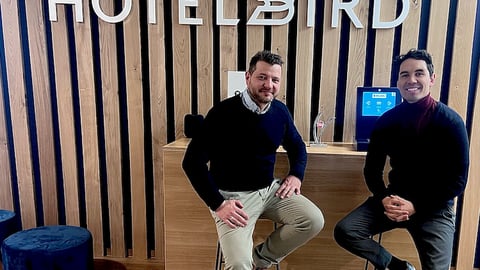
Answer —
(53, 11)
(348, 8)
(118, 18)
(270, 6)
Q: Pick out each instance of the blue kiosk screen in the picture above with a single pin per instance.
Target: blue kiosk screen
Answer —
(376, 103)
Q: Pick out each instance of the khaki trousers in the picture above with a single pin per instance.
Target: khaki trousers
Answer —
(299, 220)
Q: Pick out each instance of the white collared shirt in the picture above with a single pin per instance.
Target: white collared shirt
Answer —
(250, 104)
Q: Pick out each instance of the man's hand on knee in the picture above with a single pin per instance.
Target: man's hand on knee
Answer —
(231, 212)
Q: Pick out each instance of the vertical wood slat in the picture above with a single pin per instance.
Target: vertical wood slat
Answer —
(182, 69)
(462, 58)
(458, 100)
(111, 120)
(43, 109)
(158, 116)
(88, 108)
(280, 47)
(136, 129)
(303, 73)
(205, 58)
(255, 33)
(355, 70)
(66, 118)
(6, 192)
(437, 34)
(18, 107)
(228, 49)
(329, 68)
(382, 63)
(409, 26)
(467, 242)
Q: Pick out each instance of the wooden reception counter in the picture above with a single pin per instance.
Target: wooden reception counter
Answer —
(333, 180)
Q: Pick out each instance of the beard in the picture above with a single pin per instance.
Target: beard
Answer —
(263, 97)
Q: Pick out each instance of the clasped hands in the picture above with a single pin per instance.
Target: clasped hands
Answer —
(231, 211)
(397, 208)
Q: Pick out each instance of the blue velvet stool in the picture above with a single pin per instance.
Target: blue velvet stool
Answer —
(49, 248)
(8, 225)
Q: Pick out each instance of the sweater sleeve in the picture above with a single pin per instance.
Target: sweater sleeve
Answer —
(374, 166)
(195, 165)
(452, 173)
(296, 150)
(459, 156)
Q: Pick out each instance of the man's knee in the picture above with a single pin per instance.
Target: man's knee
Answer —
(239, 262)
(340, 232)
(314, 222)
(317, 222)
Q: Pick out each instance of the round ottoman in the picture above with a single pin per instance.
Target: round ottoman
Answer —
(8, 225)
(48, 247)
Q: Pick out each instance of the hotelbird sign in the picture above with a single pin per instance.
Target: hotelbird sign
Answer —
(257, 18)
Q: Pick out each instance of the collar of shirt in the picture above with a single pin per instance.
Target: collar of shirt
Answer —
(250, 104)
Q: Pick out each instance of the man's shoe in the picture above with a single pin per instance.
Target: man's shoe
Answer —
(410, 266)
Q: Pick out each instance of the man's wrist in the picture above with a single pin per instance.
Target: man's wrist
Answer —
(221, 205)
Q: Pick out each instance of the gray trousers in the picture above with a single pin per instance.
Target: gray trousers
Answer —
(433, 234)
(299, 221)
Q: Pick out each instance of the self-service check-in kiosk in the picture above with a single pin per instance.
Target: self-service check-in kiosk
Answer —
(372, 102)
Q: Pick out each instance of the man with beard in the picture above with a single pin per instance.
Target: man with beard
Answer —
(230, 163)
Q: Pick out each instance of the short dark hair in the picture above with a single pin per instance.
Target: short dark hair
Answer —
(265, 56)
(418, 55)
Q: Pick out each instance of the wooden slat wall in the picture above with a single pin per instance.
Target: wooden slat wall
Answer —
(134, 95)
(228, 49)
(280, 46)
(43, 108)
(64, 94)
(88, 103)
(471, 207)
(437, 39)
(18, 110)
(86, 107)
(181, 69)
(205, 57)
(383, 54)
(255, 34)
(356, 55)
(6, 195)
(461, 62)
(411, 25)
(303, 71)
(111, 122)
(329, 69)
(158, 105)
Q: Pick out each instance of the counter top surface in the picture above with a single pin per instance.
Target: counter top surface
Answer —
(334, 148)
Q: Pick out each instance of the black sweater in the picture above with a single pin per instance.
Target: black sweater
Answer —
(235, 149)
(429, 167)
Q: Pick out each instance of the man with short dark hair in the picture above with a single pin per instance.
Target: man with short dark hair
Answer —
(427, 144)
(230, 164)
